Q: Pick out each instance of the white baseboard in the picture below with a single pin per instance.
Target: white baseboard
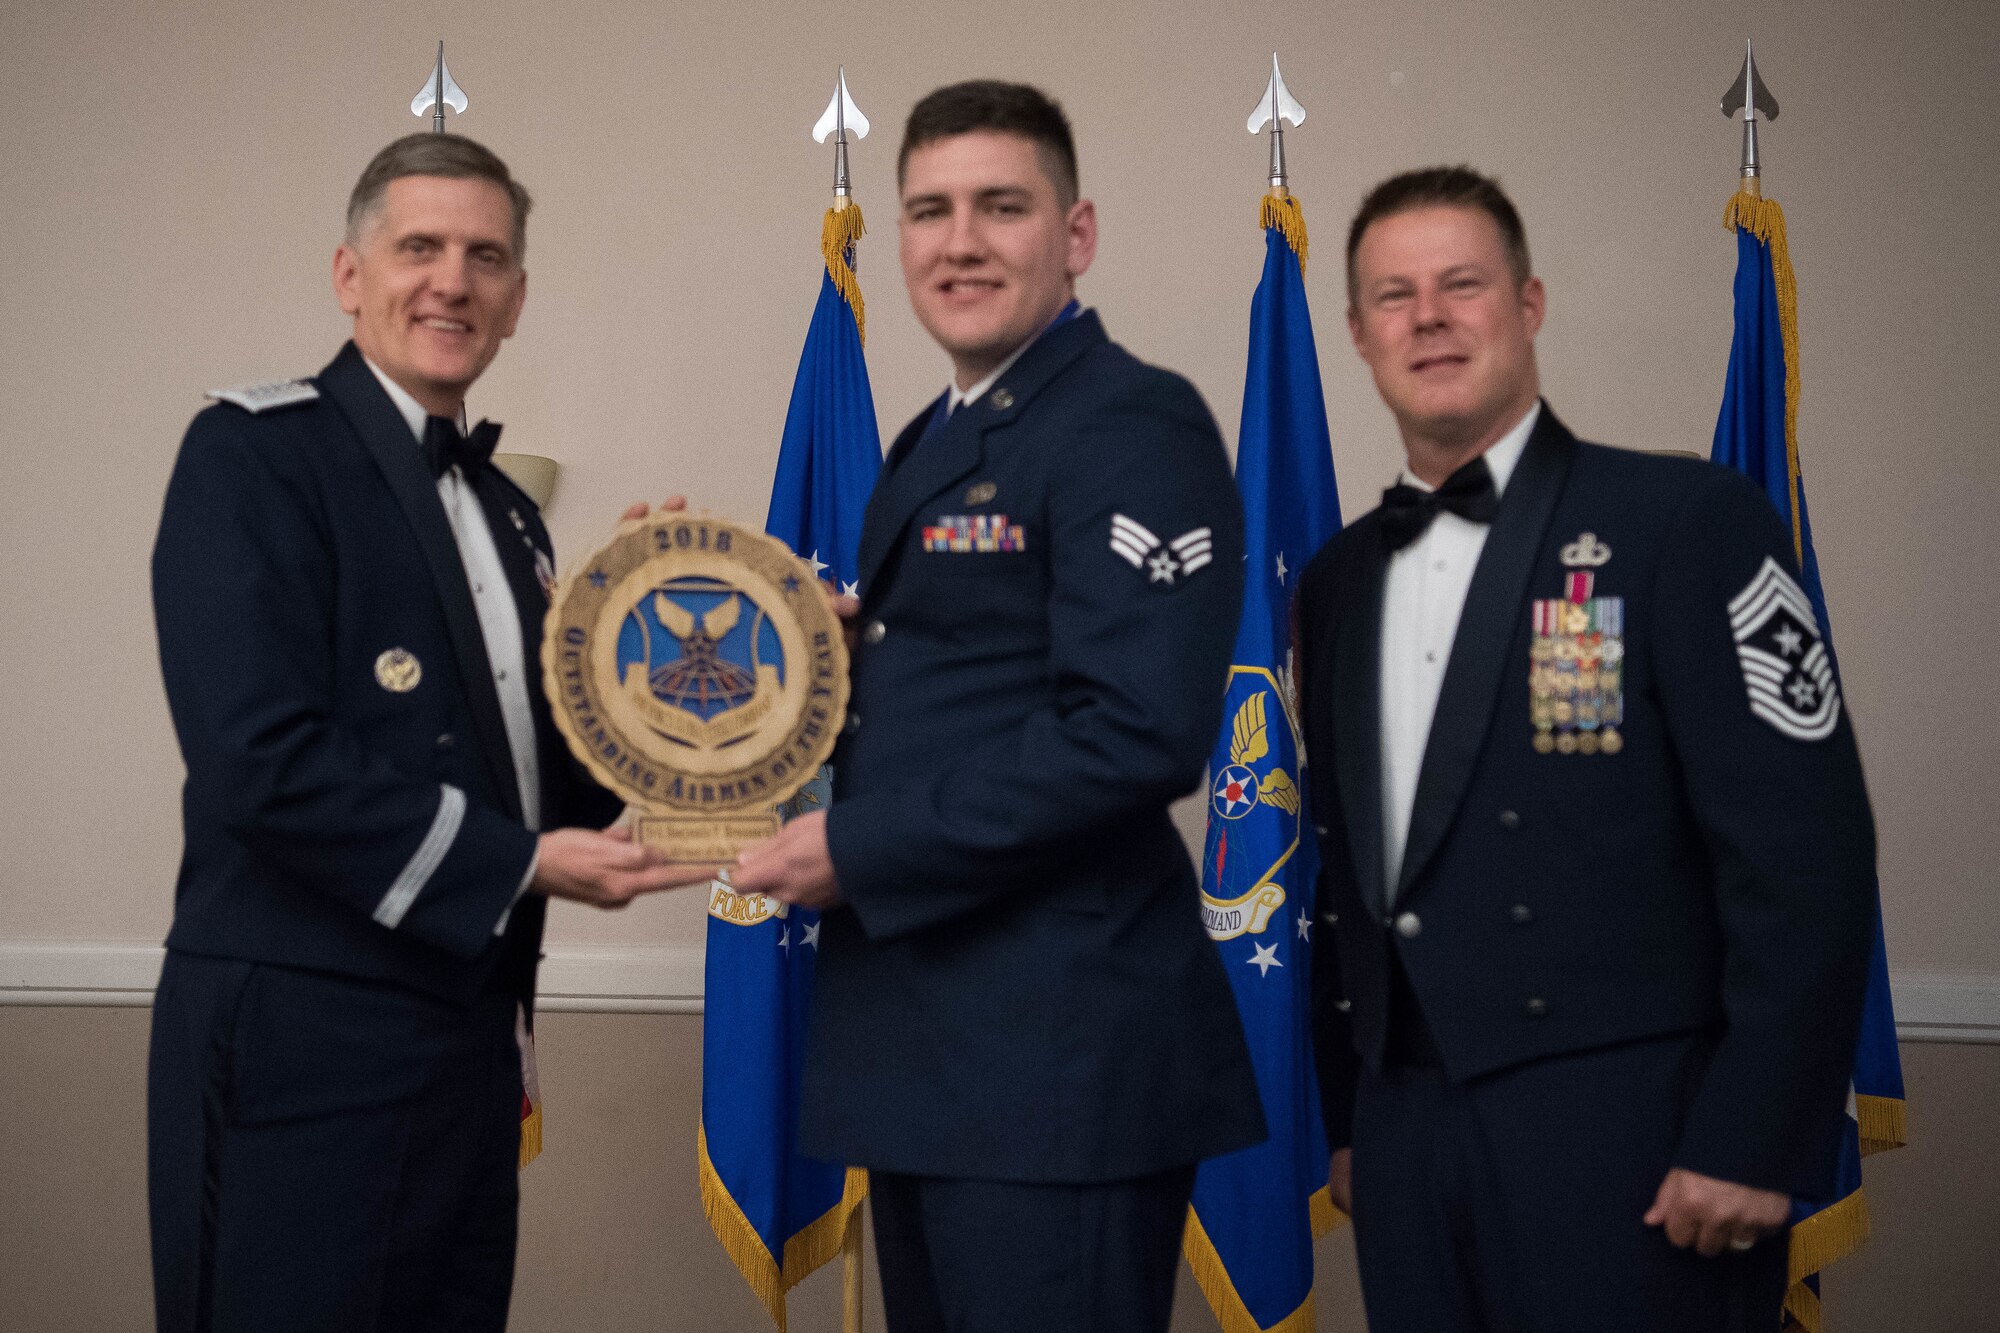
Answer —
(667, 979)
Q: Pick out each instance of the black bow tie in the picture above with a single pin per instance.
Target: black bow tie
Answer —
(445, 446)
(1407, 511)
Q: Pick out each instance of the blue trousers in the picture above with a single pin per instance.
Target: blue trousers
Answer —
(1512, 1204)
(981, 1256)
(329, 1154)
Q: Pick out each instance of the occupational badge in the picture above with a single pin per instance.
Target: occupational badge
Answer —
(1576, 666)
(1257, 806)
(694, 666)
(398, 671)
(1785, 663)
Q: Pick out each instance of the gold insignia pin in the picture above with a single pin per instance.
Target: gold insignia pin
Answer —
(1586, 552)
(981, 492)
(398, 671)
(1001, 400)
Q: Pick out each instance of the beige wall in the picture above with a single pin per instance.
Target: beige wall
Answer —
(612, 1236)
(174, 175)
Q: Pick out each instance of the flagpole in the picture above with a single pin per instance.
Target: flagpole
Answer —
(852, 1251)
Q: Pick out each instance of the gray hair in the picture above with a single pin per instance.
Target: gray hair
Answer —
(449, 155)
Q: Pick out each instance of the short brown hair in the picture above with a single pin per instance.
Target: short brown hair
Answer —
(1441, 187)
(1007, 108)
(452, 156)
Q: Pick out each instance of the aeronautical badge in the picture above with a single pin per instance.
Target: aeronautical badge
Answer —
(695, 667)
(1586, 552)
(255, 398)
(1576, 668)
(1161, 562)
(1257, 805)
(398, 671)
(1785, 663)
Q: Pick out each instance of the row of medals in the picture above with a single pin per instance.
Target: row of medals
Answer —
(1576, 696)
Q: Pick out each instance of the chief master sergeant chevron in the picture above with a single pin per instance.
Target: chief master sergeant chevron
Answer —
(1019, 1024)
(350, 598)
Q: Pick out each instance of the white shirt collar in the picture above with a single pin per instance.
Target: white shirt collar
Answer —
(957, 400)
(1501, 457)
(413, 411)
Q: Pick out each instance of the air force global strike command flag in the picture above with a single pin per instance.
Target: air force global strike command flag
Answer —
(1757, 434)
(780, 1215)
(1256, 1212)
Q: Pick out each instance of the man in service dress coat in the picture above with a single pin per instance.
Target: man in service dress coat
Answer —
(1018, 1022)
(350, 598)
(1599, 864)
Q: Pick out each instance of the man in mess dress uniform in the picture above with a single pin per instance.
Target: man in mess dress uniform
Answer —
(1599, 862)
(1019, 1025)
(350, 597)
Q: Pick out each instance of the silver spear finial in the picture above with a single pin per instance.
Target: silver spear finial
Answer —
(1747, 93)
(1274, 108)
(841, 116)
(438, 93)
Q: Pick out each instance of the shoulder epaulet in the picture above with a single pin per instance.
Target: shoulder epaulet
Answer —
(255, 398)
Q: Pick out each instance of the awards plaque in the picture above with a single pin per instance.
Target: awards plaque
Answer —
(696, 668)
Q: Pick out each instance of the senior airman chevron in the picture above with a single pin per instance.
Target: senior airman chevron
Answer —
(1160, 561)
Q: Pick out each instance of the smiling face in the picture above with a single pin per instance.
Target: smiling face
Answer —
(990, 252)
(434, 285)
(1447, 330)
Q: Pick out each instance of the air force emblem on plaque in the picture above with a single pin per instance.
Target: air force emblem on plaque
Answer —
(1256, 803)
(695, 666)
(1785, 663)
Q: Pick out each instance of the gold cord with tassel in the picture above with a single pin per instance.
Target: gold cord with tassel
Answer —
(1749, 211)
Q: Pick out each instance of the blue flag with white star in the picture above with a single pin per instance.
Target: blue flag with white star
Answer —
(780, 1215)
(1757, 434)
(1256, 1212)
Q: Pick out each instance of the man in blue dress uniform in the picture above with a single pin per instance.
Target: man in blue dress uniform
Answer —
(350, 598)
(1598, 856)
(1018, 1023)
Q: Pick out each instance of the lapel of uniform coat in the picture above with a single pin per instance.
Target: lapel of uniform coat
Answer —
(922, 466)
(1479, 652)
(1356, 704)
(353, 387)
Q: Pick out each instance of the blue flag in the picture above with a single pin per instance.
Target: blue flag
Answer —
(780, 1215)
(1757, 434)
(1256, 1212)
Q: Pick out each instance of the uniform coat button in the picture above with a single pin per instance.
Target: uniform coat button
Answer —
(1510, 820)
(1320, 829)
(446, 741)
(853, 724)
(1537, 1007)
(1409, 925)
(1521, 914)
(875, 632)
(1343, 1005)
(1331, 918)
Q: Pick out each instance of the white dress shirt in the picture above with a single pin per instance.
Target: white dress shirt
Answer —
(1421, 603)
(499, 618)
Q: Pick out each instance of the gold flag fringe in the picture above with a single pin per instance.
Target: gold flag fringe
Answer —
(837, 235)
(1881, 1123)
(531, 1138)
(804, 1252)
(1212, 1275)
(1283, 212)
(1763, 219)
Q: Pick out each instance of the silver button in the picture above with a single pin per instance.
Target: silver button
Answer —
(1343, 1005)
(875, 632)
(853, 724)
(1001, 400)
(1521, 914)
(1409, 925)
(446, 741)
(1537, 1007)
(1331, 918)
(1320, 829)
(1510, 820)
